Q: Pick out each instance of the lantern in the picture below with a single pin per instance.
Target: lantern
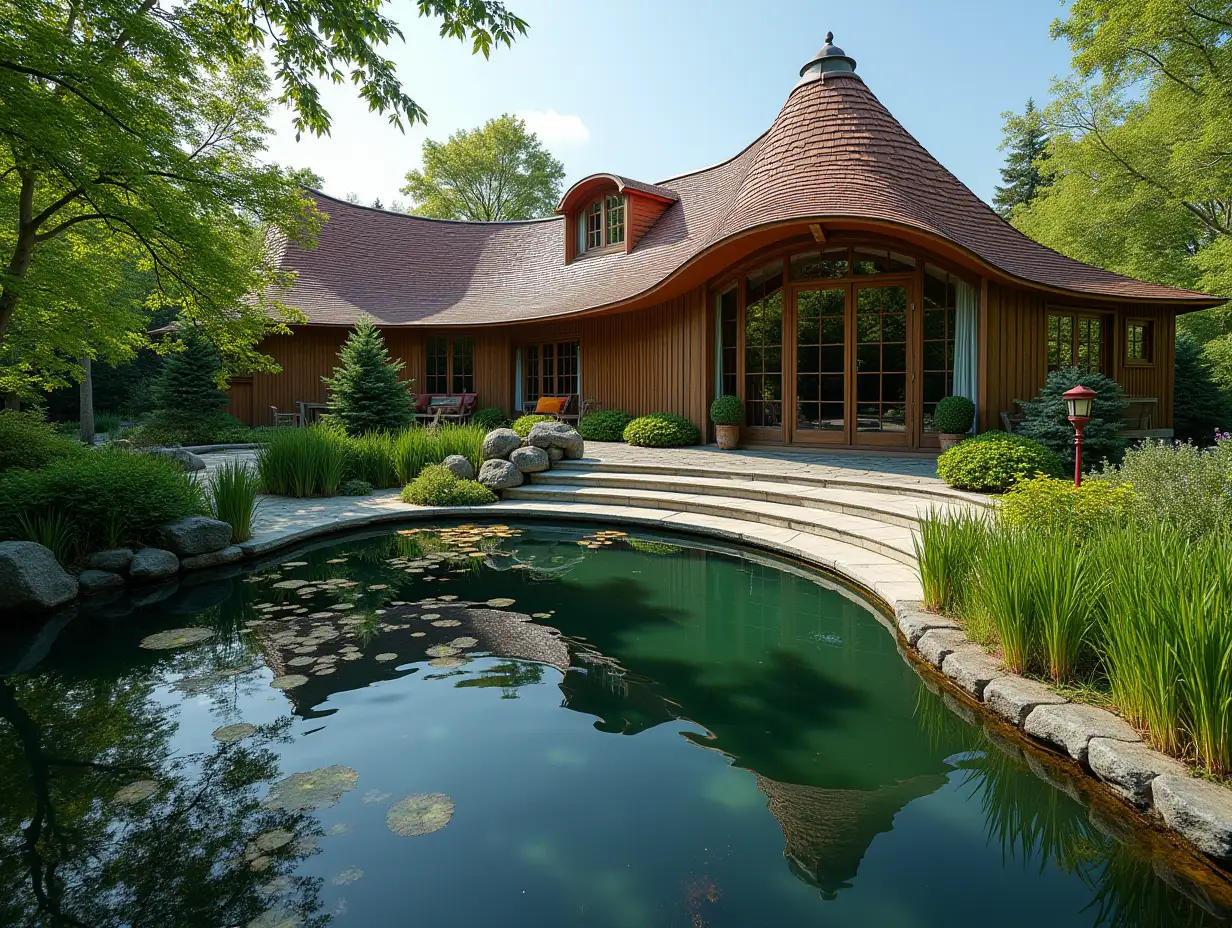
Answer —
(1079, 400)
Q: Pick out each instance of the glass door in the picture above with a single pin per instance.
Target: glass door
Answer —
(762, 329)
(820, 380)
(879, 365)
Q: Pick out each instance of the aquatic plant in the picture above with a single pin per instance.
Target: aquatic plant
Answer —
(420, 814)
(312, 790)
(176, 638)
(947, 546)
(233, 497)
(303, 462)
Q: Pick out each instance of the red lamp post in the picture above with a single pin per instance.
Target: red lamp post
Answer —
(1079, 401)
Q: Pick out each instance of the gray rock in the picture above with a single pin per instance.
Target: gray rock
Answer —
(499, 475)
(557, 435)
(148, 596)
(459, 466)
(31, 580)
(1198, 810)
(228, 555)
(499, 442)
(1071, 727)
(1014, 697)
(98, 581)
(186, 459)
(556, 454)
(972, 668)
(914, 620)
(153, 564)
(115, 560)
(1129, 767)
(530, 460)
(1051, 773)
(196, 535)
(937, 645)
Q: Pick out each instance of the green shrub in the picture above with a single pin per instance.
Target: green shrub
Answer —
(437, 486)
(355, 487)
(661, 430)
(233, 497)
(417, 448)
(1057, 505)
(187, 385)
(177, 428)
(1047, 418)
(365, 393)
(947, 548)
(604, 425)
(27, 441)
(1200, 405)
(523, 424)
(954, 416)
(727, 410)
(489, 418)
(108, 497)
(303, 462)
(1178, 485)
(372, 458)
(994, 461)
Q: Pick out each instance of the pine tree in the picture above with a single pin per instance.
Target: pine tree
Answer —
(1025, 139)
(365, 393)
(1047, 418)
(187, 386)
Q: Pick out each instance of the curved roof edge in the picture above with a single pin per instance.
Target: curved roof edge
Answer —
(569, 202)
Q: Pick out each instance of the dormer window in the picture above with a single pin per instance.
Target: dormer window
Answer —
(602, 224)
(606, 213)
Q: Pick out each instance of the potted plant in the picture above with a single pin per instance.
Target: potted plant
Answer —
(727, 413)
(953, 419)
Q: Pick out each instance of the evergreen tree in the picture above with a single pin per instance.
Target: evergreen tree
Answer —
(1200, 404)
(365, 393)
(1025, 140)
(1047, 418)
(188, 383)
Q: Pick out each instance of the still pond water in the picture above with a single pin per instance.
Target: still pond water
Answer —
(531, 727)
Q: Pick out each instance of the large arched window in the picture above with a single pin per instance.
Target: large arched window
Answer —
(601, 224)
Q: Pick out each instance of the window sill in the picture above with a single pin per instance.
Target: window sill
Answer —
(597, 252)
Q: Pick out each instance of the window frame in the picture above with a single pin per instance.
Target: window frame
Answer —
(541, 365)
(450, 355)
(1076, 317)
(1148, 342)
(603, 210)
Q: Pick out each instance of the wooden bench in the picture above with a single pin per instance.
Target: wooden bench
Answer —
(569, 413)
(432, 408)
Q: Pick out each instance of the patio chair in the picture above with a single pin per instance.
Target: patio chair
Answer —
(284, 418)
(560, 407)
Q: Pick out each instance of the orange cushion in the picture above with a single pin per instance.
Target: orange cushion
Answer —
(552, 405)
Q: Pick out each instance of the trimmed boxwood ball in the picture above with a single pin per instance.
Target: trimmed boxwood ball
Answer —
(524, 424)
(954, 416)
(994, 461)
(489, 418)
(661, 430)
(604, 425)
(727, 410)
(437, 486)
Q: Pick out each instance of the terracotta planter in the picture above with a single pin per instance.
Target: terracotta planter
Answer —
(728, 436)
(949, 440)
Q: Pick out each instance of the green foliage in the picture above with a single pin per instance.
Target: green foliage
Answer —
(604, 425)
(417, 448)
(497, 172)
(947, 549)
(1186, 488)
(954, 416)
(661, 430)
(1199, 405)
(232, 491)
(523, 424)
(365, 394)
(727, 410)
(303, 462)
(216, 428)
(437, 486)
(1025, 142)
(994, 461)
(355, 487)
(27, 441)
(372, 458)
(489, 418)
(1058, 506)
(188, 383)
(106, 496)
(1047, 418)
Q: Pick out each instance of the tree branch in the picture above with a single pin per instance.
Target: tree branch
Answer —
(60, 82)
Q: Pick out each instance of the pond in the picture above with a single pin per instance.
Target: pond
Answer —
(534, 726)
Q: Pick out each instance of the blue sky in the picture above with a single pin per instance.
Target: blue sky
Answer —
(653, 89)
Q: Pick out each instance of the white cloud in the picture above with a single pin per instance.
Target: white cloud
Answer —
(555, 128)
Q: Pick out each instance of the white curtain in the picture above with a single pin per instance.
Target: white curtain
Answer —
(965, 361)
(517, 383)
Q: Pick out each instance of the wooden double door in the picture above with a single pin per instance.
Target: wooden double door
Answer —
(846, 369)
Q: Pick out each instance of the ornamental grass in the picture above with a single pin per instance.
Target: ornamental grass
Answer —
(233, 498)
(303, 462)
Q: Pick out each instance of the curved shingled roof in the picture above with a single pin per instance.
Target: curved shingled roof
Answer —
(834, 153)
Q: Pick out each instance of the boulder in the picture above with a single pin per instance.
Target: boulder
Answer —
(1129, 767)
(99, 581)
(499, 475)
(196, 535)
(228, 555)
(186, 459)
(499, 442)
(936, 645)
(530, 460)
(914, 620)
(31, 580)
(1198, 810)
(1013, 697)
(556, 454)
(1071, 727)
(972, 668)
(557, 435)
(459, 466)
(153, 564)
(113, 560)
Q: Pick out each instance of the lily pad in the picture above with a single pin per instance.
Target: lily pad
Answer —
(446, 663)
(301, 661)
(421, 814)
(541, 615)
(288, 681)
(387, 656)
(430, 616)
(342, 607)
(321, 671)
(176, 638)
(349, 875)
(311, 790)
(418, 634)
(290, 584)
(236, 732)
(293, 564)
(375, 795)
(137, 791)
(501, 602)
(464, 642)
(441, 650)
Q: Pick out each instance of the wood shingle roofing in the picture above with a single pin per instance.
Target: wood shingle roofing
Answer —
(834, 153)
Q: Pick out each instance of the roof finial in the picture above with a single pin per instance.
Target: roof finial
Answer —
(829, 38)
(830, 58)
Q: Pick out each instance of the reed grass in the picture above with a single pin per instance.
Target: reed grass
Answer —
(303, 462)
(372, 457)
(55, 531)
(947, 547)
(417, 448)
(233, 498)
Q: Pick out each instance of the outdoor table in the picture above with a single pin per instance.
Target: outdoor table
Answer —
(311, 412)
